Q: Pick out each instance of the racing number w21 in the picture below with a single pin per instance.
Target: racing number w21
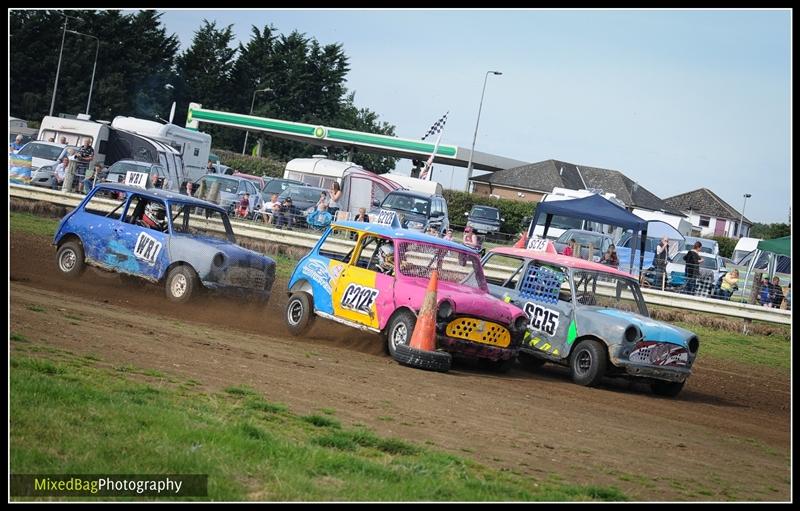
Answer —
(541, 319)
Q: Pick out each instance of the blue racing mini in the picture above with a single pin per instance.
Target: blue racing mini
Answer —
(163, 237)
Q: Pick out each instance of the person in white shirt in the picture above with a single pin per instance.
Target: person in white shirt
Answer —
(267, 208)
(59, 173)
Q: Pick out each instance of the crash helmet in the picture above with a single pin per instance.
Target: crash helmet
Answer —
(155, 216)
(386, 257)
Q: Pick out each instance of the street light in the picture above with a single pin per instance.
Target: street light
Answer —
(58, 68)
(469, 165)
(741, 219)
(252, 103)
(96, 51)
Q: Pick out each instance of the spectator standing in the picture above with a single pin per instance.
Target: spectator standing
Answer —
(84, 157)
(763, 293)
(692, 260)
(776, 293)
(662, 252)
(58, 174)
(335, 197)
(787, 299)
(88, 179)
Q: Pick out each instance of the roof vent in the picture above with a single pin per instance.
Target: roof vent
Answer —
(322, 156)
(84, 117)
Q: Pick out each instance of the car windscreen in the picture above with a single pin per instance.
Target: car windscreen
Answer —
(225, 184)
(44, 151)
(592, 287)
(582, 238)
(408, 203)
(486, 213)
(419, 259)
(278, 186)
(200, 221)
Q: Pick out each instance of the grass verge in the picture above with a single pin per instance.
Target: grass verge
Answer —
(70, 414)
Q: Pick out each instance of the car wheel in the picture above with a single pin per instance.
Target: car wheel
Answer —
(439, 361)
(588, 363)
(399, 331)
(70, 258)
(667, 388)
(299, 313)
(530, 362)
(181, 283)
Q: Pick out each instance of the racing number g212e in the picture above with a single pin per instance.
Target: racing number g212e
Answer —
(541, 319)
(359, 298)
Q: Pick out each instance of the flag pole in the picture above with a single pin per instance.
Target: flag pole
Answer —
(428, 168)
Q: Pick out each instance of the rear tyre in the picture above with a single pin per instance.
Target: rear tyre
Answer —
(588, 363)
(667, 388)
(71, 259)
(181, 284)
(299, 314)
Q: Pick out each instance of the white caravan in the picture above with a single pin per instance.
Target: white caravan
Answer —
(743, 247)
(193, 146)
(75, 130)
(680, 223)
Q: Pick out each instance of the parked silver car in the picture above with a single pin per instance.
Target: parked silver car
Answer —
(598, 240)
(711, 268)
(227, 191)
(44, 158)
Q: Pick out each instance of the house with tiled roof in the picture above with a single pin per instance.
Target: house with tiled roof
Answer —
(531, 182)
(709, 214)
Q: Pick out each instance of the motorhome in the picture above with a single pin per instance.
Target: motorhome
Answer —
(559, 224)
(193, 146)
(743, 247)
(75, 130)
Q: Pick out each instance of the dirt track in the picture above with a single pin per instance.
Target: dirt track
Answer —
(726, 437)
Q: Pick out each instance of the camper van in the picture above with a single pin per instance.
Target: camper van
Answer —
(75, 130)
(559, 224)
(193, 146)
(743, 247)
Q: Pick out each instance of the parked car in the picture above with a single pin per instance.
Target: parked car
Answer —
(230, 191)
(156, 174)
(380, 283)
(258, 180)
(303, 197)
(706, 245)
(711, 269)
(598, 240)
(278, 185)
(484, 219)
(590, 318)
(44, 158)
(174, 240)
(416, 210)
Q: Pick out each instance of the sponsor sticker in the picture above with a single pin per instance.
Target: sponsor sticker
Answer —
(541, 318)
(359, 298)
(318, 272)
(147, 248)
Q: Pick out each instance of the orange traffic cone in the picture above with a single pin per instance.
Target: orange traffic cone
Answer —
(424, 336)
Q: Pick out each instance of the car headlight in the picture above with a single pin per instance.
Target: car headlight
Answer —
(414, 225)
(219, 259)
(446, 310)
(632, 334)
(520, 324)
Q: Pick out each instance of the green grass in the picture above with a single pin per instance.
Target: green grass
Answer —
(33, 224)
(764, 350)
(77, 418)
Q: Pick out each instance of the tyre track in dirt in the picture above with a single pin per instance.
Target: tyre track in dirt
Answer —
(725, 434)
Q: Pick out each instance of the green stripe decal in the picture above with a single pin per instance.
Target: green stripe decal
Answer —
(572, 333)
(319, 132)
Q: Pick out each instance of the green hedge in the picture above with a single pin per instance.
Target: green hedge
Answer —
(726, 245)
(251, 164)
(513, 211)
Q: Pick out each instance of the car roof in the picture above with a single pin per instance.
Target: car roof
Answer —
(402, 234)
(54, 144)
(413, 193)
(584, 231)
(304, 187)
(559, 259)
(157, 193)
(137, 162)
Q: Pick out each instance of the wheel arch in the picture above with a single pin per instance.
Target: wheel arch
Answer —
(302, 286)
(175, 264)
(395, 313)
(70, 236)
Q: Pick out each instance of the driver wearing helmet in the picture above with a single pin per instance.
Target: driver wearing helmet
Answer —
(386, 258)
(155, 216)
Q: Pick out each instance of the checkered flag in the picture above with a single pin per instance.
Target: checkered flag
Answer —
(437, 127)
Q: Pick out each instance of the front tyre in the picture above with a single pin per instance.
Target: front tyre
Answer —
(299, 314)
(181, 284)
(588, 363)
(399, 330)
(71, 259)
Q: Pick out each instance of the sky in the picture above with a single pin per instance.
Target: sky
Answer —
(676, 100)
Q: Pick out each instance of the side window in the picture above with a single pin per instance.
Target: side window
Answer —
(546, 284)
(337, 245)
(107, 204)
(444, 207)
(502, 270)
(368, 256)
(242, 187)
(147, 213)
